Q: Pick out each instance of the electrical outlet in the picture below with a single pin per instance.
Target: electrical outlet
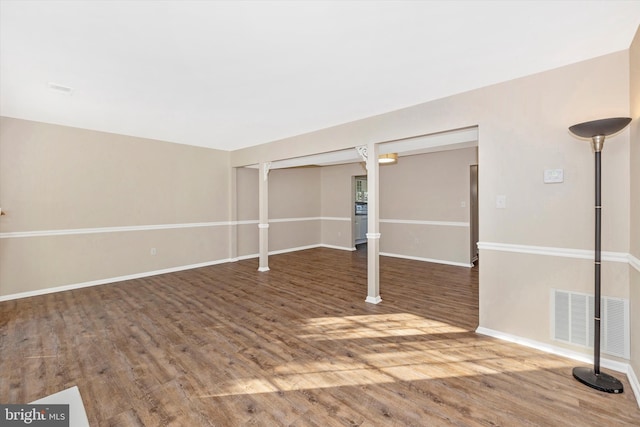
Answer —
(153, 251)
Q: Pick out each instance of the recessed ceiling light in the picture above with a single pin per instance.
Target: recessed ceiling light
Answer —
(55, 87)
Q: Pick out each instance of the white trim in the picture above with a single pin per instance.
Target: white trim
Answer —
(109, 280)
(156, 272)
(66, 232)
(417, 222)
(373, 300)
(310, 218)
(120, 229)
(263, 225)
(341, 248)
(437, 261)
(621, 367)
(263, 269)
(266, 167)
(634, 262)
(248, 256)
(335, 218)
(363, 152)
(548, 348)
(553, 251)
(245, 222)
(299, 248)
(373, 235)
(635, 385)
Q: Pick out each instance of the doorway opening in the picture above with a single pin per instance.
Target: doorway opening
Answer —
(360, 211)
(473, 217)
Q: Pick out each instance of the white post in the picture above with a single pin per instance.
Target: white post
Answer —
(373, 236)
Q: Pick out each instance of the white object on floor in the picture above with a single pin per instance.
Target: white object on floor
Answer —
(70, 396)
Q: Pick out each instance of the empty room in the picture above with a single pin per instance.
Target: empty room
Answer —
(319, 213)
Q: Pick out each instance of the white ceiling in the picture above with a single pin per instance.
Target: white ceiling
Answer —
(232, 74)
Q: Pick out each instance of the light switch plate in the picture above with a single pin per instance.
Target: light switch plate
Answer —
(553, 176)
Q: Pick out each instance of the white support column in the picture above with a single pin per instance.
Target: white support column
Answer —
(373, 236)
(263, 226)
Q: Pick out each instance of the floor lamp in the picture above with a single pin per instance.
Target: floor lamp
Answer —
(597, 130)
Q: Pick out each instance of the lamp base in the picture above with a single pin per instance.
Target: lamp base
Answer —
(601, 381)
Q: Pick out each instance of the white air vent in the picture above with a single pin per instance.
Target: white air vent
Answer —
(572, 321)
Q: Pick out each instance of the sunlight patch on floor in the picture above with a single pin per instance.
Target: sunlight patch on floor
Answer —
(392, 358)
(372, 326)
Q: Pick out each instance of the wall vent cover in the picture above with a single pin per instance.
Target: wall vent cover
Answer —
(572, 321)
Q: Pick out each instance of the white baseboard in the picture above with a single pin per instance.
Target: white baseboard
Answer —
(299, 248)
(548, 348)
(154, 273)
(624, 368)
(341, 248)
(109, 280)
(243, 257)
(163, 271)
(635, 385)
(437, 261)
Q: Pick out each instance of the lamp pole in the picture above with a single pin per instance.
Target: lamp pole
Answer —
(597, 130)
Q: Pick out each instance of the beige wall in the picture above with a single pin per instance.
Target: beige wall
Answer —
(294, 194)
(634, 91)
(430, 188)
(515, 148)
(522, 131)
(61, 178)
(247, 210)
(337, 208)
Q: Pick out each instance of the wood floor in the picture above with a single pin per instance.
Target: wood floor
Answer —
(295, 346)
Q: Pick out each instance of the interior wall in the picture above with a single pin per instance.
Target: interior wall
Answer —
(247, 212)
(634, 92)
(337, 208)
(433, 192)
(294, 208)
(83, 206)
(523, 130)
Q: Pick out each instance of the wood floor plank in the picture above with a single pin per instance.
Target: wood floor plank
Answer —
(295, 346)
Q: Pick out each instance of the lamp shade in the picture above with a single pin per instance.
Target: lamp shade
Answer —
(602, 127)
